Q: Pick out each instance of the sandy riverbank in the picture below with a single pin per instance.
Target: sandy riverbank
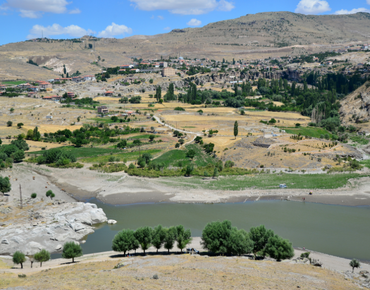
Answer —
(121, 189)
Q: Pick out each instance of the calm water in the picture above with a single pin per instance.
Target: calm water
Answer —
(336, 230)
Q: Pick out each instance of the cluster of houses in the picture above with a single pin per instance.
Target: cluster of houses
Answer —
(76, 79)
(104, 110)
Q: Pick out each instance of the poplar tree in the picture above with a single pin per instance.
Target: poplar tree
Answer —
(236, 129)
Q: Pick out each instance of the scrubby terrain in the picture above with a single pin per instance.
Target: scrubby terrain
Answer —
(181, 272)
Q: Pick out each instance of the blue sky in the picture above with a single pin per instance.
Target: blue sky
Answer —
(26, 19)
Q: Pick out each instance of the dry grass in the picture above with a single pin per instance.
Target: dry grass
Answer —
(181, 272)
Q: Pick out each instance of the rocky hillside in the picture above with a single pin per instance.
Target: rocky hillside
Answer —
(46, 226)
(355, 108)
(251, 36)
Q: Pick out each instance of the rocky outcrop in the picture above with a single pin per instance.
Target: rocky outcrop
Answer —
(50, 227)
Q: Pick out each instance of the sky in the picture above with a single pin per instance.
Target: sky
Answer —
(27, 19)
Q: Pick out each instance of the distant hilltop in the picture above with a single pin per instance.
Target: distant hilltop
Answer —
(254, 36)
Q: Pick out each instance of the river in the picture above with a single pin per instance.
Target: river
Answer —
(336, 230)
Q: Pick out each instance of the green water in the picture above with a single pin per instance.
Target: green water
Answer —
(336, 230)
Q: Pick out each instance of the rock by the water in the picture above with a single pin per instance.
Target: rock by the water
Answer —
(55, 225)
(112, 222)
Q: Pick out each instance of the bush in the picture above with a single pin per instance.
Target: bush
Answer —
(305, 255)
(222, 238)
(33, 195)
(278, 248)
(179, 109)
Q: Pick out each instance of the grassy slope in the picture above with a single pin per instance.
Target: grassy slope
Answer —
(307, 131)
(82, 151)
(96, 155)
(179, 272)
(173, 157)
(123, 155)
(360, 140)
(12, 82)
(365, 163)
(266, 181)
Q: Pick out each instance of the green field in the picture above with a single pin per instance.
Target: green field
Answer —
(123, 155)
(307, 131)
(146, 136)
(174, 157)
(305, 182)
(365, 163)
(82, 152)
(360, 140)
(13, 83)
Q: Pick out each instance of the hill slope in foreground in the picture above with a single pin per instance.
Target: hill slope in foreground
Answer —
(180, 272)
(248, 37)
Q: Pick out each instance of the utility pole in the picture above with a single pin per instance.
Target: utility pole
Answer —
(20, 195)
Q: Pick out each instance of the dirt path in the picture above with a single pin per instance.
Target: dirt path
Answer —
(329, 262)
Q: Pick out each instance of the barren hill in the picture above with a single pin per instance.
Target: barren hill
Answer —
(251, 36)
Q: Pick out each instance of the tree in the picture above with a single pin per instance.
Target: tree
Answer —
(189, 169)
(222, 238)
(29, 135)
(124, 241)
(215, 172)
(183, 237)
(50, 194)
(198, 139)
(159, 235)
(36, 134)
(122, 144)
(158, 93)
(18, 156)
(239, 242)
(260, 236)
(354, 264)
(144, 236)
(137, 142)
(151, 138)
(71, 250)
(170, 238)
(9, 123)
(215, 237)
(236, 129)
(19, 258)
(5, 185)
(123, 100)
(190, 154)
(147, 157)
(20, 125)
(279, 248)
(141, 162)
(42, 256)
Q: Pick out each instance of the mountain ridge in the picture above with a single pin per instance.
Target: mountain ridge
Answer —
(261, 35)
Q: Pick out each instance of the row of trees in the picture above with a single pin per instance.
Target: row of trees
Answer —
(219, 238)
(89, 134)
(71, 250)
(145, 237)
